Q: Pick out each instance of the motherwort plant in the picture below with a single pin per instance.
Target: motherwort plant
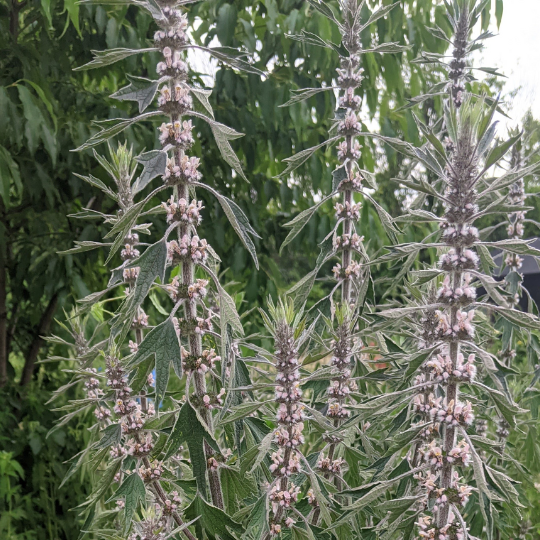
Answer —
(445, 450)
(138, 448)
(350, 274)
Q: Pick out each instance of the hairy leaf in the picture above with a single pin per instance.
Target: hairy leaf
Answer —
(162, 342)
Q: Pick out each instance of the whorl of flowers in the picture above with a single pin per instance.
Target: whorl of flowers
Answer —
(286, 460)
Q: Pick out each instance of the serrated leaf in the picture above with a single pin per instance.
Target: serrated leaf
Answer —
(188, 428)
(202, 95)
(235, 487)
(499, 151)
(105, 58)
(213, 521)
(104, 483)
(257, 523)
(386, 219)
(230, 57)
(163, 343)
(241, 411)
(298, 159)
(81, 247)
(140, 90)
(518, 318)
(376, 15)
(112, 127)
(514, 245)
(110, 436)
(306, 93)
(154, 164)
(133, 492)
(237, 219)
(300, 221)
(387, 48)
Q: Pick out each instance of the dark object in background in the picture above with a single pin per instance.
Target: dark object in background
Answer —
(531, 276)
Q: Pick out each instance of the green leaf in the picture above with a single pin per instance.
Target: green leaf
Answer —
(202, 95)
(141, 90)
(302, 95)
(81, 247)
(222, 135)
(92, 180)
(235, 487)
(302, 288)
(226, 22)
(112, 127)
(133, 492)
(301, 220)
(257, 523)
(323, 8)
(228, 313)
(254, 456)
(105, 58)
(104, 483)
(298, 159)
(9, 174)
(508, 409)
(386, 219)
(309, 38)
(230, 57)
(499, 151)
(111, 436)
(514, 245)
(162, 342)
(388, 48)
(237, 219)
(241, 411)
(215, 522)
(486, 260)
(378, 14)
(154, 164)
(151, 264)
(518, 318)
(189, 429)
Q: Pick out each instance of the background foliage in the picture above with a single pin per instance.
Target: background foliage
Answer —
(47, 109)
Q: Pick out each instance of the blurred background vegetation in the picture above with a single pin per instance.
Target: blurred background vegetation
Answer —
(46, 110)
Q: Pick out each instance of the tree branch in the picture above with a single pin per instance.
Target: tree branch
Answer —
(37, 343)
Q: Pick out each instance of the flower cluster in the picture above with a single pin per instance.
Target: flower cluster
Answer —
(175, 101)
(348, 211)
(327, 465)
(348, 241)
(462, 295)
(353, 271)
(462, 329)
(187, 248)
(178, 134)
(181, 211)
(201, 364)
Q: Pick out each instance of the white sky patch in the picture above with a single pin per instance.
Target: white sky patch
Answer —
(515, 51)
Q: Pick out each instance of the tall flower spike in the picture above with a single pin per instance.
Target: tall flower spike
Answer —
(345, 242)
(443, 451)
(186, 339)
(285, 326)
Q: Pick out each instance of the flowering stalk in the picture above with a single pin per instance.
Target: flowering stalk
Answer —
(351, 274)
(449, 344)
(183, 341)
(119, 405)
(286, 461)
(189, 250)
